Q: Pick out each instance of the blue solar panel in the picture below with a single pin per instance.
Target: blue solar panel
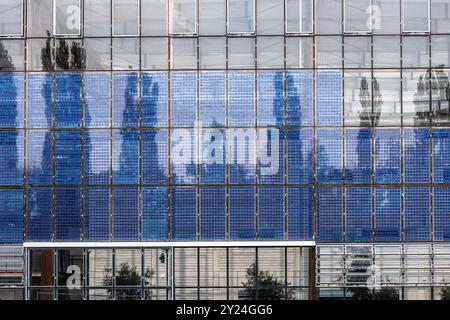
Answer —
(358, 155)
(300, 213)
(358, 218)
(213, 164)
(329, 214)
(387, 213)
(329, 98)
(212, 98)
(39, 157)
(441, 151)
(96, 99)
(329, 155)
(242, 155)
(96, 156)
(125, 157)
(126, 213)
(241, 92)
(387, 155)
(271, 213)
(154, 156)
(126, 99)
(11, 216)
(67, 212)
(154, 214)
(242, 212)
(271, 156)
(441, 205)
(11, 157)
(183, 156)
(68, 100)
(183, 106)
(416, 154)
(212, 213)
(417, 213)
(39, 214)
(39, 100)
(68, 159)
(300, 155)
(154, 98)
(96, 214)
(11, 99)
(184, 213)
(270, 98)
(299, 98)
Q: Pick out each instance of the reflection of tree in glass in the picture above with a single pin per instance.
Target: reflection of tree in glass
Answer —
(440, 111)
(421, 101)
(263, 285)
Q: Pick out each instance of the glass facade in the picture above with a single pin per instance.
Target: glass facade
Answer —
(311, 121)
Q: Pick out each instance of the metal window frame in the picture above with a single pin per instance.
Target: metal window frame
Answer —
(113, 22)
(344, 5)
(402, 20)
(22, 24)
(243, 33)
(54, 27)
(286, 22)
(170, 6)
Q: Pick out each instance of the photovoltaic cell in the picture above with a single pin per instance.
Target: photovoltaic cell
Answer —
(387, 213)
(271, 213)
(39, 100)
(300, 155)
(299, 98)
(125, 156)
(441, 204)
(126, 99)
(387, 155)
(329, 155)
(270, 98)
(96, 157)
(242, 212)
(417, 213)
(183, 106)
(11, 215)
(242, 154)
(358, 156)
(11, 100)
(213, 164)
(154, 99)
(329, 98)
(96, 99)
(183, 156)
(241, 92)
(184, 213)
(154, 156)
(212, 98)
(96, 214)
(68, 202)
(39, 157)
(212, 213)
(68, 100)
(416, 154)
(300, 213)
(441, 152)
(270, 155)
(39, 214)
(68, 160)
(126, 213)
(329, 214)
(154, 214)
(11, 157)
(358, 217)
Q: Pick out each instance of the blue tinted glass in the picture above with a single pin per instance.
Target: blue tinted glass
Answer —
(329, 155)
(96, 214)
(212, 213)
(417, 155)
(387, 214)
(126, 99)
(270, 155)
(300, 213)
(242, 213)
(68, 214)
(39, 100)
(96, 99)
(212, 98)
(241, 92)
(417, 213)
(441, 152)
(154, 156)
(184, 213)
(329, 214)
(183, 156)
(11, 157)
(68, 100)
(68, 159)
(39, 214)
(358, 155)
(11, 99)
(126, 213)
(387, 155)
(154, 98)
(241, 155)
(11, 215)
(183, 106)
(300, 155)
(441, 213)
(329, 98)
(154, 214)
(358, 201)
(271, 213)
(212, 168)
(96, 156)
(125, 156)
(299, 98)
(270, 98)
(39, 157)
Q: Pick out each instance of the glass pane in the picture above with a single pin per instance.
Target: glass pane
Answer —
(67, 15)
(329, 52)
(98, 54)
(358, 214)
(68, 100)
(386, 52)
(154, 214)
(417, 213)
(329, 98)
(99, 269)
(70, 269)
(357, 17)
(358, 99)
(416, 15)
(40, 17)
(183, 16)
(96, 156)
(416, 98)
(12, 98)
(299, 17)
(387, 155)
(357, 52)
(270, 52)
(328, 16)
(270, 17)
(300, 213)
(242, 212)
(97, 18)
(96, 214)
(126, 215)
(329, 214)
(39, 214)
(388, 13)
(386, 98)
(329, 155)
(96, 99)
(213, 53)
(300, 157)
(125, 54)
(11, 219)
(154, 156)
(154, 98)
(12, 52)
(358, 155)
(154, 53)
(212, 213)
(184, 214)
(387, 213)
(68, 158)
(299, 97)
(212, 99)
(416, 159)
(241, 16)
(11, 157)
(128, 269)
(415, 52)
(125, 156)
(126, 17)
(271, 213)
(154, 17)
(212, 17)
(184, 53)
(241, 53)
(11, 17)
(299, 52)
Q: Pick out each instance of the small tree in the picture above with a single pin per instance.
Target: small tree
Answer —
(262, 285)
(128, 276)
(445, 293)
